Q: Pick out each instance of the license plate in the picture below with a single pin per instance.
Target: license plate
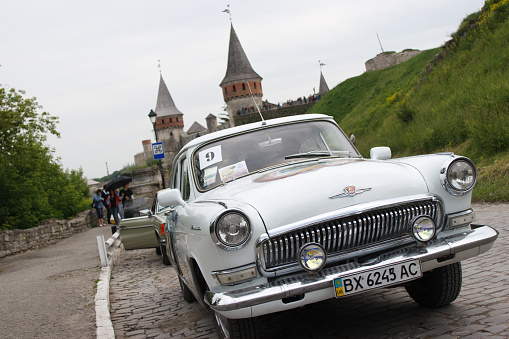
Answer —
(380, 277)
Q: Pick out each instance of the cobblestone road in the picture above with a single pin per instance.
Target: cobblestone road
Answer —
(146, 303)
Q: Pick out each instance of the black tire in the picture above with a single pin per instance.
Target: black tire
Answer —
(437, 288)
(158, 250)
(234, 328)
(186, 292)
(164, 255)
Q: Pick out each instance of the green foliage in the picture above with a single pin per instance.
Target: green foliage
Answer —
(452, 98)
(33, 184)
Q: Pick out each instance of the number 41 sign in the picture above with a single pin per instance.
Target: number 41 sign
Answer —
(157, 150)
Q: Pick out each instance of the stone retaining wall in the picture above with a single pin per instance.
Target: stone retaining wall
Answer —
(17, 241)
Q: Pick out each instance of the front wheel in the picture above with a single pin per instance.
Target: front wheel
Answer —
(166, 260)
(186, 292)
(234, 328)
(437, 288)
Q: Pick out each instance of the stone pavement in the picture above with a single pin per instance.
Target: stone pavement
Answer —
(146, 303)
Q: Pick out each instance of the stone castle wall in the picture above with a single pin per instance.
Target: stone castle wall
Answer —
(17, 241)
(387, 59)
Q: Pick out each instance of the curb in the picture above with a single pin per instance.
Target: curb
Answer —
(104, 326)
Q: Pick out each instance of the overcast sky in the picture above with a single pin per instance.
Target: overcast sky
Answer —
(94, 64)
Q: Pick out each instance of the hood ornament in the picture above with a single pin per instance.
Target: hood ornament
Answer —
(350, 191)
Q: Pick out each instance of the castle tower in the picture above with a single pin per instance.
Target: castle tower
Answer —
(240, 80)
(211, 122)
(323, 85)
(170, 121)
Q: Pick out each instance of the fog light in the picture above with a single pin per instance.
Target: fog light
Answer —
(423, 228)
(312, 257)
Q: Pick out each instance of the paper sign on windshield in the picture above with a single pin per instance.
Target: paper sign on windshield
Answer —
(209, 177)
(210, 156)
(233, 171)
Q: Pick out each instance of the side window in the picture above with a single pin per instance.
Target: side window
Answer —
(184, 180)
(175, 176)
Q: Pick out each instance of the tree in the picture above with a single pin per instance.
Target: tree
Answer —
(33, 184)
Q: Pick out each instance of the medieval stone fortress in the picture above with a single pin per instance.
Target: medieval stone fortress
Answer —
(243, 95)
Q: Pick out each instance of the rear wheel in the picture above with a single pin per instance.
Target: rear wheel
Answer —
(234, 328)
(437, 288)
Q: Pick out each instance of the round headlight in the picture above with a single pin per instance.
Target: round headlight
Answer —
(460, 176)
(423, 228)
(233, 229)
(312, 257)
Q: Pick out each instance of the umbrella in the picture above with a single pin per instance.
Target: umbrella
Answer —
(118, 182)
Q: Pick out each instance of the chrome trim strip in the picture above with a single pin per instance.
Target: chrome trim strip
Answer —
(462, 245)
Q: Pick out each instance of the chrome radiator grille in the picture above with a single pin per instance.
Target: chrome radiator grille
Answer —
(348, 233)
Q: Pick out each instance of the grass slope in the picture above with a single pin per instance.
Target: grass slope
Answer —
(460, 105)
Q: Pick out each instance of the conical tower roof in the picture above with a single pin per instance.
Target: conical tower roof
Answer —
(239, 69)
(323, 85)
(165, 105)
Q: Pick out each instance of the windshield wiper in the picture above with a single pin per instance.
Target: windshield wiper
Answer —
(314, 154)
(311, 154)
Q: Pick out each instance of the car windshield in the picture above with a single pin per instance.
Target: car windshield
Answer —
(238, 155)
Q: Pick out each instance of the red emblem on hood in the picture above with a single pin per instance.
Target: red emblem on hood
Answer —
(350, 191)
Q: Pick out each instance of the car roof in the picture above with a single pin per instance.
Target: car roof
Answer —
(252, 126)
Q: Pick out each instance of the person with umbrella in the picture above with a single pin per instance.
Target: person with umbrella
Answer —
(115, 201)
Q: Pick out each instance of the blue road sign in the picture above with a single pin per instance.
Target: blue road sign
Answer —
(157, 150)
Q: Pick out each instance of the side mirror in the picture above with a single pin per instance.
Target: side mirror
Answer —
(380, 153)
(170, 197)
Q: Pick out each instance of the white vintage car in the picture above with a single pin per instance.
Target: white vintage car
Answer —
(282, 213)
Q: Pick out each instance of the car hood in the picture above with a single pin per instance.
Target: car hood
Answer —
(305, 189)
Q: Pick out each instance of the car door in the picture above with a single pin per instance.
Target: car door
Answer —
(180, 180)
(140, 232)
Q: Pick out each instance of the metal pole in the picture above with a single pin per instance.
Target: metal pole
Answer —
(159, 163)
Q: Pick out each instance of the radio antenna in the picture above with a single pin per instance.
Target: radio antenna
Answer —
(258, 108)
(380, 43)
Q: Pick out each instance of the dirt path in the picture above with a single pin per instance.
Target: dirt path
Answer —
(49, 293)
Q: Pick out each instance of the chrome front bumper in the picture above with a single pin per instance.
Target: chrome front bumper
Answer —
(442, 252)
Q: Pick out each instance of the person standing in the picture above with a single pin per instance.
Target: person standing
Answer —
(114, 202)
(98, 201)
(119, 206)
(127, 199)
(105, 194)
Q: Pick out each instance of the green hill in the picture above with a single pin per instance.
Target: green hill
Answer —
(453, 98)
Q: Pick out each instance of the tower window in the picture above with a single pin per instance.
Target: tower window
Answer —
(177, 119)
(243, 87)
(170, 120)
(255, 85)
(225, 90)
(234, 89)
